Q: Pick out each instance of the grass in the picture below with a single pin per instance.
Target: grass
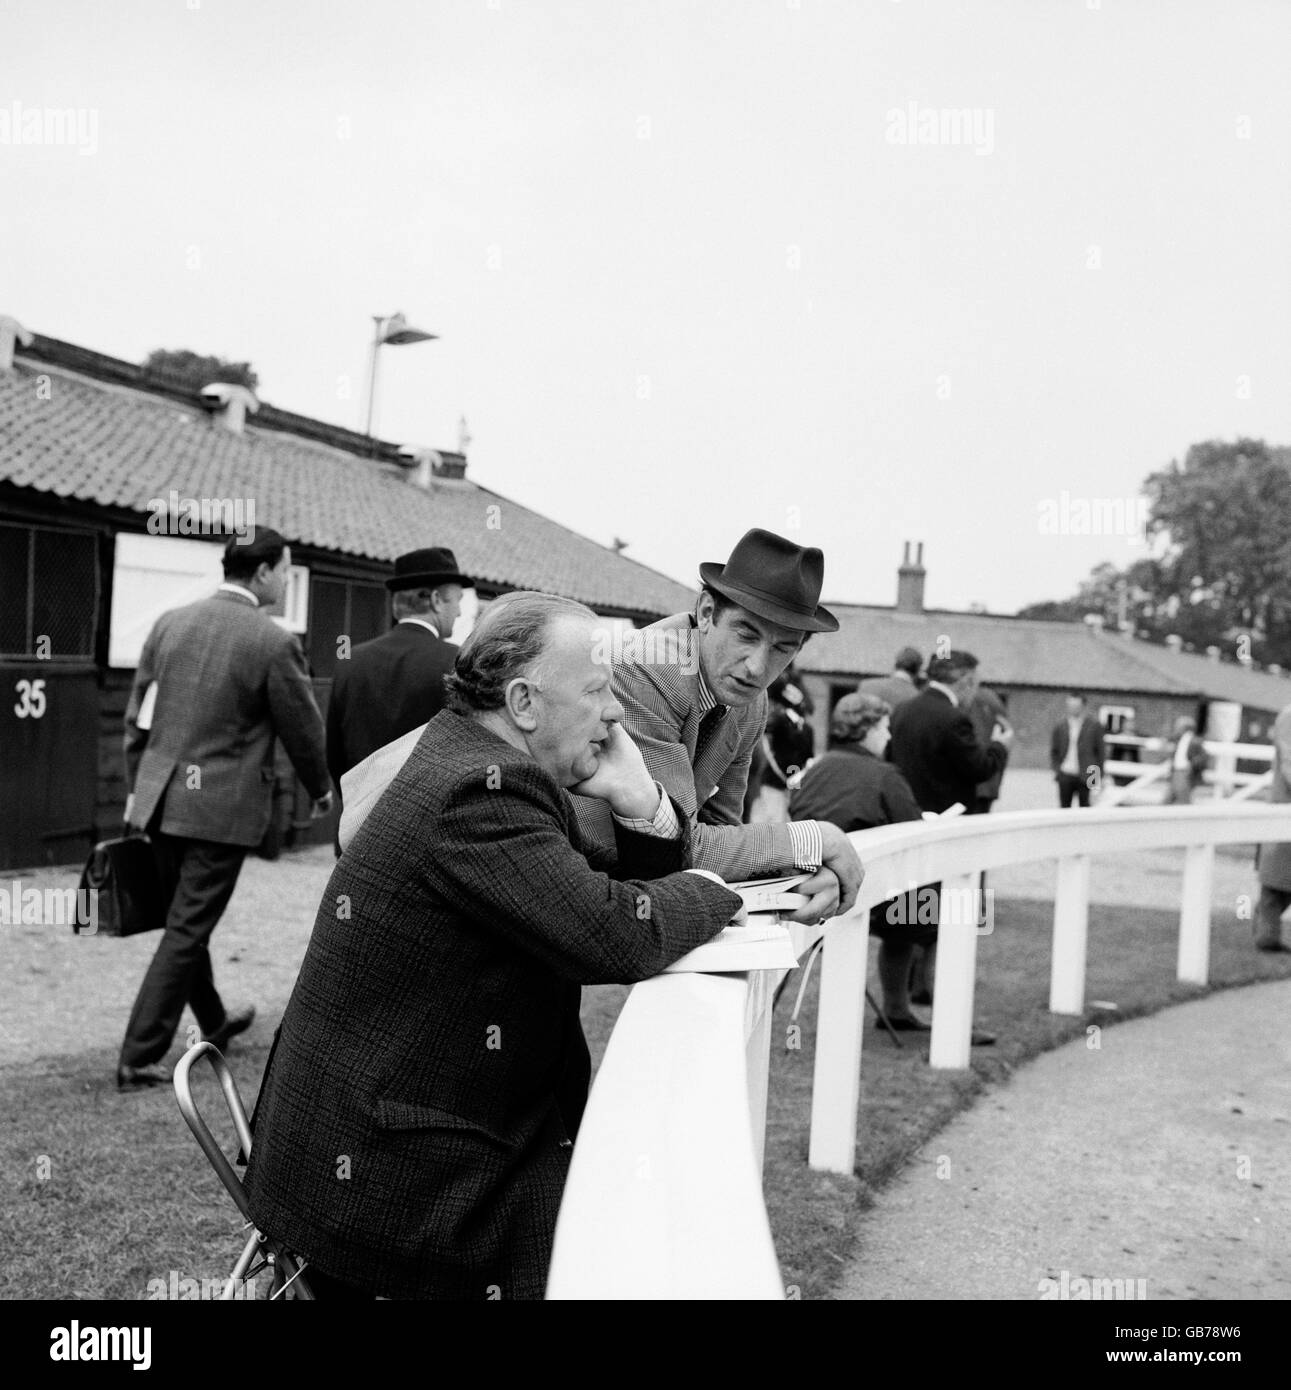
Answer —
(104, 1192)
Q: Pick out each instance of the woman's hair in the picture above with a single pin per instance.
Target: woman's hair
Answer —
(855, 715)
(508, 640)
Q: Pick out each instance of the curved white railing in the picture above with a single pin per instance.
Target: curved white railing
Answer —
(664, 1197)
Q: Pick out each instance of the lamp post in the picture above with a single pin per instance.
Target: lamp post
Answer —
(395, 330)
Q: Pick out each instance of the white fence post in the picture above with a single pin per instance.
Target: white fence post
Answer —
(840, 1026)
(1070, 934)
(956, 976)
(758, 1054)
(1194, 919)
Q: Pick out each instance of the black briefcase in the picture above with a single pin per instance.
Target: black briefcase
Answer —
(120, 891)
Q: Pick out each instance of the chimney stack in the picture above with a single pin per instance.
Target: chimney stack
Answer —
(910, 579)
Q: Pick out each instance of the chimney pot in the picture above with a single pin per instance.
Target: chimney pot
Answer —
(910, 580)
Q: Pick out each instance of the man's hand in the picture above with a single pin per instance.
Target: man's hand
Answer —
(321, 807)
(823, 891)
(621, 778)
(842, 859)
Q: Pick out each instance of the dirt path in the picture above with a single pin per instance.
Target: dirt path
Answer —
(1162, 1155)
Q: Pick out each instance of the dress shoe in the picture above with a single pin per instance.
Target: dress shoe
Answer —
(139, 1078)
(908, 1024)
(921, 997)
(981, 1038)
(236, 1022)
(1274, 947)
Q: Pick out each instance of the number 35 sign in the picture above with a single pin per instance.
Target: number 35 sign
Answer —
(31, 699)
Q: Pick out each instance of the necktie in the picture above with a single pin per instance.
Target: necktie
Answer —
(707, 728)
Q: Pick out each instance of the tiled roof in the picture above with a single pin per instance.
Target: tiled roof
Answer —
(1028, 652)
(120, 447)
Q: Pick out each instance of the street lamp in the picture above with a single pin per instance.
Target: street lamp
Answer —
(394, 330)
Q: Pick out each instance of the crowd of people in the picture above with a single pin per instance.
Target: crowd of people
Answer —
(521, 816)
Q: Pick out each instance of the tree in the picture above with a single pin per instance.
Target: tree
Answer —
(191, 369)
(1222, 575)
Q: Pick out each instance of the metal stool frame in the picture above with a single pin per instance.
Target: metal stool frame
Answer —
(272, 1253)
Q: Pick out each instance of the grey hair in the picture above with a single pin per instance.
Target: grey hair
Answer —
(509, 640)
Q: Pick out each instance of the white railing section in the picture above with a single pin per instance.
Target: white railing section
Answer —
(664, 1197)
(1222, 775)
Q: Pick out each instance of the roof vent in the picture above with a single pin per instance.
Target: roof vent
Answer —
(1174, 642)
(229, 403)
(425, 465)
(11, 332)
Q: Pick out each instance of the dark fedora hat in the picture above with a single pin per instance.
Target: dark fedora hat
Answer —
(774, 579)
(424, 569)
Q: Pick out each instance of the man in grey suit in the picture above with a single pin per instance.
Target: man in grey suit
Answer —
(228, 680)
(694, 693)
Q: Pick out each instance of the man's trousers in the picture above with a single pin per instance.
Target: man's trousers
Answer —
(198, 878)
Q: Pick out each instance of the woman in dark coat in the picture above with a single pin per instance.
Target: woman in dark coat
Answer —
(854, 788)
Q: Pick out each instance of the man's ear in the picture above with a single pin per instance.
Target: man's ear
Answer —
(520, 705)
(704, 609)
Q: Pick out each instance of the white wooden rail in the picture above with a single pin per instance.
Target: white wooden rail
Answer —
(664, 1197)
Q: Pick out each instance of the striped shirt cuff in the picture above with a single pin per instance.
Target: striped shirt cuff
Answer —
(808, 844)
(664, 822)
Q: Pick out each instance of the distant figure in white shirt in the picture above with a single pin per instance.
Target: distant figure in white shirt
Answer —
(1187, 761)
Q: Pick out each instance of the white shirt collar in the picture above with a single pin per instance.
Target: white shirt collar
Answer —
(421, 622)
(231, 588)
(946, 691)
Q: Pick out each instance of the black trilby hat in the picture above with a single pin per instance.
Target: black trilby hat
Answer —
(423, 569)
(774, 579)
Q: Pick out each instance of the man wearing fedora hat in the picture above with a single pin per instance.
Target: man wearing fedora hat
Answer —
(694, 692)
(395, 683)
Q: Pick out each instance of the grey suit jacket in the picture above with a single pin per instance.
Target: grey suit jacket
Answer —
(660, 699)
(228, 680)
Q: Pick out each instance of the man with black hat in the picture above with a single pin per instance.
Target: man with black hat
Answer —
(395, 683)
(694, 692)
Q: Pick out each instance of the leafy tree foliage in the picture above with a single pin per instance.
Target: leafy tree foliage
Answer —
(1221, 572)
(191, 369)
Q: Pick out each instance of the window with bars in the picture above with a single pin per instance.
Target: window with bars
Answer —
(49, 592)
(343, 607)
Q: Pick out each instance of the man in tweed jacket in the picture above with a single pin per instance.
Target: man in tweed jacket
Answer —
(693, 689)
(229, 680)
(414, 1127)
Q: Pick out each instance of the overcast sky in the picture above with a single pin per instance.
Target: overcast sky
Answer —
(696, 266)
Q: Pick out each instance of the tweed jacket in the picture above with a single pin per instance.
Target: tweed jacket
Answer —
(387, 687)
(229, 680)
(1275, 859)
(413, 1130)
(936, 747)
(657, 683)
